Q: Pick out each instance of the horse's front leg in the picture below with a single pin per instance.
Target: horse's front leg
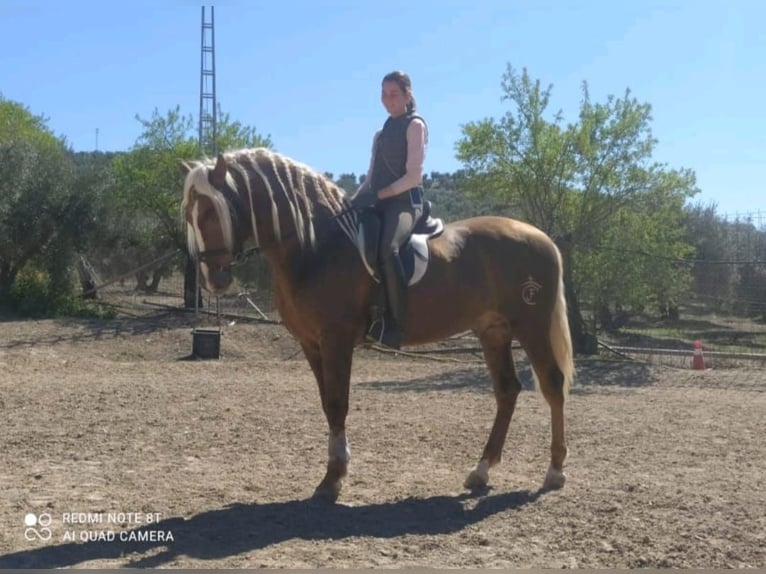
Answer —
(335, 354)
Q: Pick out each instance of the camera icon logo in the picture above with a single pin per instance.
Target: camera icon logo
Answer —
(37, 527)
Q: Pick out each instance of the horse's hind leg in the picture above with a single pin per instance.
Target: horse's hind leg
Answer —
(496, 344)
(550, 380)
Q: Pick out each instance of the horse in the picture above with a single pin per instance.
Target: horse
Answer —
(498, 277)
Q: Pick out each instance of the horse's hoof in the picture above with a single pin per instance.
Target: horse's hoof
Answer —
(475, 481)
(327, 491)
(554, 479)
(479, 477)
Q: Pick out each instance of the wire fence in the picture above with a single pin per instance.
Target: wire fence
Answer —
(725, 308)
(160, 284)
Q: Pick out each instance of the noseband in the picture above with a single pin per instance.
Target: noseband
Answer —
(223, 273)
(237, 258)
(232, 203)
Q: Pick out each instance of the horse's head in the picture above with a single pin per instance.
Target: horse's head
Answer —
(210, 208)
(253, 195)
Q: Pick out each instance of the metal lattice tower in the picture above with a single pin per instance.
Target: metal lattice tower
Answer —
(207, 102)
(207, 141)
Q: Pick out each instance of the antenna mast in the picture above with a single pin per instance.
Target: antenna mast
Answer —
(208, 142)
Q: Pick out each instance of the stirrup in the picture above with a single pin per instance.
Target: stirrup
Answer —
(375, 332)
(385, 335)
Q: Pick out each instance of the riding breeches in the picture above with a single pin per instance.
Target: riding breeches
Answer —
(399, 215)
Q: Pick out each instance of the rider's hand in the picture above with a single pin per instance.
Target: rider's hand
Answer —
(363, 200)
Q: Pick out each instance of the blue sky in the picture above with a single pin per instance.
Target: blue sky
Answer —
(307, 72)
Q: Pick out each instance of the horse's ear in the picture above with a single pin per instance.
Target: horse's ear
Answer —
(184, 168)
(218, 176)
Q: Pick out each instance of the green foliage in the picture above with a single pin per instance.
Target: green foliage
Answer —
(443, 190)
(641, 264)
(522, 160)
(148, 183)
(590, 184)
(121, 208)
(730, 269)
(348, 182)
(448, 202)
(44, 216)
(34, 294)
(232, 134)
(29, 293)
(107, 243)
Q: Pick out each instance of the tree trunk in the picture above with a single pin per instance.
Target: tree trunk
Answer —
(156, 278)
(7, 277)
(584, 343)
(605, 318)
(141, 281)
(87, 281)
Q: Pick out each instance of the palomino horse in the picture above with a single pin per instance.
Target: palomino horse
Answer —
(498, 277)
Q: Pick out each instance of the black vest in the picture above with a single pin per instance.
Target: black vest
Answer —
(391, 151)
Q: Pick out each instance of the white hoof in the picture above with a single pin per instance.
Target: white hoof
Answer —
(554, 479)
(479, 477)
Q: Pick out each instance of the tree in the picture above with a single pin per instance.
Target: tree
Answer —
(448, 202)
(569, 180)
(640, 260)
(729, 273)
(44, 218)
(348, 182)
(148, 180)
(104, 244)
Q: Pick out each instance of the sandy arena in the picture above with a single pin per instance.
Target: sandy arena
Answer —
(126, 456)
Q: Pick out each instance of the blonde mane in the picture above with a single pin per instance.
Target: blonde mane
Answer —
(292, 189)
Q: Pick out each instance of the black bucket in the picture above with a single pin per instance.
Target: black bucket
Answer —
(206, 343)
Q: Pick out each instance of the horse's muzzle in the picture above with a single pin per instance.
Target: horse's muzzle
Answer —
(218, 279)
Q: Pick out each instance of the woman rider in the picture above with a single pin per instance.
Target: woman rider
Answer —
(393, 187)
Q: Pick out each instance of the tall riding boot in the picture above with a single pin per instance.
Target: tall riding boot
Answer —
(396, 291)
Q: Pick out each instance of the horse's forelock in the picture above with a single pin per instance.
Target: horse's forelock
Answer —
(197, 182)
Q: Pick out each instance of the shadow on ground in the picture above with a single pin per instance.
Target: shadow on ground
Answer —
(97, 329)
(243, 528)
(591, 373)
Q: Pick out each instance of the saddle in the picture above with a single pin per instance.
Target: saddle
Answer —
(413, 254)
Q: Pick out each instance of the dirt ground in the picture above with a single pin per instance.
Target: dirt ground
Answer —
(211, 464)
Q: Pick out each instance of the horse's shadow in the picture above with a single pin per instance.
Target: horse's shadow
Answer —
(475, 379)
(246, 527)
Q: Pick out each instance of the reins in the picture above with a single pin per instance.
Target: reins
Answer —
(344, 211)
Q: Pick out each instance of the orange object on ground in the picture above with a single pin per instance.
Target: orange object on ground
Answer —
(698, 360)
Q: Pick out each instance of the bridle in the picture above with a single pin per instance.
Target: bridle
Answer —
(237, 258)
(240, 256)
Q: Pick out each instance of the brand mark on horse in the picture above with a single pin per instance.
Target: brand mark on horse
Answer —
(529, 290)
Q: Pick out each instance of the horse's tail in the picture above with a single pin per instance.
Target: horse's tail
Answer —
(560, 338)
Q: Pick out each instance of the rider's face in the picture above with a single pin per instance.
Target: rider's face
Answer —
(394, 99)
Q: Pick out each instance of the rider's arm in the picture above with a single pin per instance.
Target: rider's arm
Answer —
(417, 141)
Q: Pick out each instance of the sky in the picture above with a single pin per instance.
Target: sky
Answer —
(307, 72)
